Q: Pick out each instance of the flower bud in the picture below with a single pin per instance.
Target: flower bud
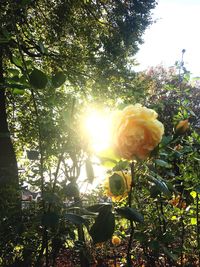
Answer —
(116, 240)
(182, 127)
(178, 147)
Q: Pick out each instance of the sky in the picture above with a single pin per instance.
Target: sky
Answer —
(176, 28)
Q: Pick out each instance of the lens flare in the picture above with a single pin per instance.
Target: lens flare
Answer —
(97, 128)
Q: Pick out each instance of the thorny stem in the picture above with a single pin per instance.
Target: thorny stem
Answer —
(131, 222)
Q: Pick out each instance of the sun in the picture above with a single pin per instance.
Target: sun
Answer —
(97, 129)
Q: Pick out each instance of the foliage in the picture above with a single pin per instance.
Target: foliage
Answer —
(54, 58)
(174, 96)
(58, 57)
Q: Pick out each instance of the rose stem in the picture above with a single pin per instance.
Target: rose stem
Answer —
(131, 221)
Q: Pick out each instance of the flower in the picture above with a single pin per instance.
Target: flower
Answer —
(178, 202)
(116, 240)
(118, 185)
(182, 127)
(135, 132)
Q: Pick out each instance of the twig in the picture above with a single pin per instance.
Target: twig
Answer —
(131, 222)
(163, 215)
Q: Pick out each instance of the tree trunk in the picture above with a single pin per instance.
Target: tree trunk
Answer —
(9, 184)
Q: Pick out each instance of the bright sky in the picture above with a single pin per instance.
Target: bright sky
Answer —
(177, 28)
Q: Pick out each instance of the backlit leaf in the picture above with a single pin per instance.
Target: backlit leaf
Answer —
(130, 214)
(58, 79)
(50, 219)
(103, 228)
(38, 79)
(74, 218)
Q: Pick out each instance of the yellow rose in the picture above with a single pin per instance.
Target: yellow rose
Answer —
(117, 185)
(182, 127)
(116, 240)
(136, 132)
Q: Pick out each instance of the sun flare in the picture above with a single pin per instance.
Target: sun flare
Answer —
(97, 128)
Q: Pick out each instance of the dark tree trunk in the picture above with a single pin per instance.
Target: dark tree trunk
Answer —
(9, 184)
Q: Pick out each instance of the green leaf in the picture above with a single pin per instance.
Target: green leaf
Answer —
(154, 191)
(71, 190)
(193, 194)
(38, 79)
(108, 158)
(154, 245)
(130, 214)
(107, 162)
(166, 140)
(58, 79)
(25, 2)
(74, 218)
(100, 207)
(161, 185)
(121, 165)
(141, 237)
(103, 228)
(50, 219)
(170, 254)
(13, 71)
(194, 221)
(162, 163)
(18, 91)
(174, 218)
(82, 211)
(17, 61)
